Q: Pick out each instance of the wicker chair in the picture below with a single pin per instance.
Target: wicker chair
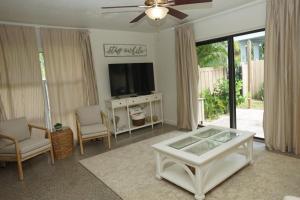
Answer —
(16, 143)
(92, 123)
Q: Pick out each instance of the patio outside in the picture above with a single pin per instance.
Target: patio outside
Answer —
(248, 120)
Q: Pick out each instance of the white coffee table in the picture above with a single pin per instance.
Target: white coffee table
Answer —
(198, 161)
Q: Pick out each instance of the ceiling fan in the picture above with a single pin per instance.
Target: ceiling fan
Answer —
(158, 9)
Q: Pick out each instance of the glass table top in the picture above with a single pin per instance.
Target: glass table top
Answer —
(204, 141)
(184, 142)
(225, 136)
(203, 147)
(208, 133)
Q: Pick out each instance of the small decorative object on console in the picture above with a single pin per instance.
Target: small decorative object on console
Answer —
(135, 110)
(137, 116)
(58, 126)
(138, 119)
(148, 119)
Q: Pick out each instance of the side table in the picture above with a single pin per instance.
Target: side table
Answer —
(62, 142)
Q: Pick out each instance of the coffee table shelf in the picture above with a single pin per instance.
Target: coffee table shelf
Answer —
(223, 169)
(178, 175)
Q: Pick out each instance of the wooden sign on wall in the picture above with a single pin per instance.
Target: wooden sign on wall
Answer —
(124, 50)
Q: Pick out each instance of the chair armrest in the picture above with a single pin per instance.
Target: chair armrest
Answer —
(13, 140)
(40, 128)
(37, 127)
(78, 125)
(8, 137)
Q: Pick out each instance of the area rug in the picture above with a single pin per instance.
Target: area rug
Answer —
(130, 172)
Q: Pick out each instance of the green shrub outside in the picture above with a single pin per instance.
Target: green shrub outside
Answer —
(260, 94)
(216, 101)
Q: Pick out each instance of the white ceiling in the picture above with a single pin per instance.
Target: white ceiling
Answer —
(88, 13)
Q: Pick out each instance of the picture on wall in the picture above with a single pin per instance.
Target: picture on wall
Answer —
(124, 50)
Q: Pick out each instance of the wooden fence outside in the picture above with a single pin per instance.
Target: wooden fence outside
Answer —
(209, 76)
(257, 76)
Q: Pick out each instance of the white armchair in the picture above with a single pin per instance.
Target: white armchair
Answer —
(17, 145)
(92, 123)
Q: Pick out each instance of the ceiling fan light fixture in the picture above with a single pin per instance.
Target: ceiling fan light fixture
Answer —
(157, 12)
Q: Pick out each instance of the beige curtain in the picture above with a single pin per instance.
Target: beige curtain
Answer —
(88, 67)
(2, 111)
(187, 78)
(282, 70)
(70, 73)
(20, 74)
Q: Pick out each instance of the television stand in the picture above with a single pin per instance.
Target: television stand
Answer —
(118, 110)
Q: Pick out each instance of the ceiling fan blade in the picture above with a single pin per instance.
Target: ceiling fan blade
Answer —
(138, 17)
(183, 2)
(111, 7)
(176, 13)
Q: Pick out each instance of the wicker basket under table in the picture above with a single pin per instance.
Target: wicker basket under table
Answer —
(62, 142)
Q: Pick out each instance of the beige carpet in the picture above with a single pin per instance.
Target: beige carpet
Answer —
(130, 172)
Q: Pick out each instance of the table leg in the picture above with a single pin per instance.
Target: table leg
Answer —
(199, 195)
(158, 165)
(250, 151)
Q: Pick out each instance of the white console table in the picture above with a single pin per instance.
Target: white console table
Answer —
(152, 105)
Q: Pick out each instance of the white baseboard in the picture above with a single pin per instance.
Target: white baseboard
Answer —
(171, 122)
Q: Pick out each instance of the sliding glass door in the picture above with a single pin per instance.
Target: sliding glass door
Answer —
(231, 81)
(213, 83)
(249, 65)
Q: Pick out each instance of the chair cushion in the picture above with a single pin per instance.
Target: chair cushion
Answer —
(26, 146)
(16, 128)
(93, 128)
(94, 135)
(89, 115)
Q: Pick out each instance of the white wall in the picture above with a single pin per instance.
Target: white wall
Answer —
(100, 37)
(242, 19)
(166, 73)
(245, 18)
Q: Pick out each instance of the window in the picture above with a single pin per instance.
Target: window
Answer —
(45, 91)
(42, 64)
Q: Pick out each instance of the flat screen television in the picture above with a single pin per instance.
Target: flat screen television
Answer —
(131, 79)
